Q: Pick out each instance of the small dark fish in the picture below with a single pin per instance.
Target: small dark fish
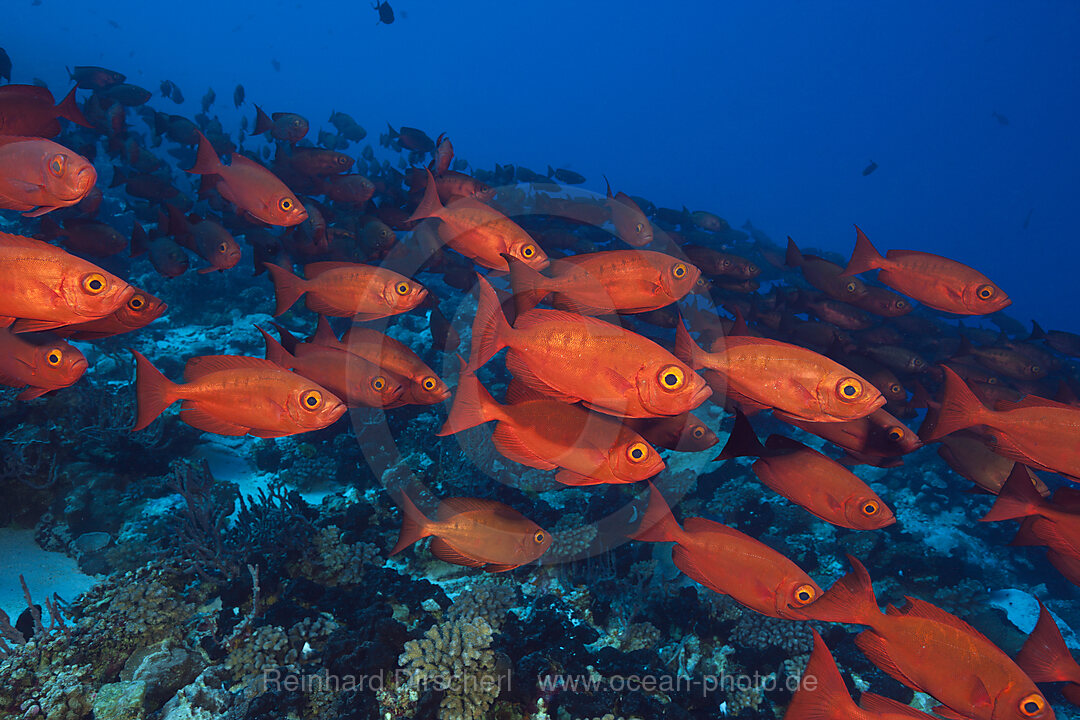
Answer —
(238, 96)
(5, 65)
(276, 64)
(1002, 120)
(347, 127)
(208, 100)
(127, 94)
(90, 77)
(114, 24)
(166, 88)
(568, 177)
(869, 168)
(386, 13)
(176, 96)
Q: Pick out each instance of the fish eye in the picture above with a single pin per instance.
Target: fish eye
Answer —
(805, 594)
(286, 204)
(311, 400)
(672, 377)
(752, 268)
(379, 383)
(402, 288)
(1036, 370)
(901, 304)
(95, 283)
(679, 270)
(698, 432)
(296, 122)
(54, 357)
(137, 302)
(725, 263)
(896, 434)
(222, 248)
(57, 165)
(539, 537)
(985, 292)
(1032, 705)
(991, 380)
(895, 389)
(384, 233)
(639, 227)
(528, 251)
(637, 452)
(429, 383)
(870, 507)
(851, 287)
(849, 389)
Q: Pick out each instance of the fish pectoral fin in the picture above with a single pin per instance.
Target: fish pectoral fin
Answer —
(40, 211)
(22, 325)
(199, 419)
(873, 646)
(495, 567)
(618, 382)
(517, 367)
(686, 562)
(31, 393)
(268, 433)
(448, 553)
(509, 443)
(569, 477)
(945, 712)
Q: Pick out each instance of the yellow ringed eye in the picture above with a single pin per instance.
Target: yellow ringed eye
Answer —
(1032, 705)
(870, 508)
(402, 288)
(639, 227)
(672, 377)
(528, 251)
(896, 434)
(54, 357)
(539, 537)
(286, 204)
(312, 399)
(637, 452)
(136, 302)
(895, 388)
(429, 383)
(985, 292)
(699, 432)
(95, 283)
(851, 287)
(679, 270)
(805, 594)
(57, 164)
(379, 383)
(849, 389)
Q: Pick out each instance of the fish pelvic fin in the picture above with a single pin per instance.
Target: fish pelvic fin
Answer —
(153, 391)
(490, 329)
(850, 599)
(288, 287)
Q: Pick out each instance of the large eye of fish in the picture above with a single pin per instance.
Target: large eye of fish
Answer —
(901, 304)
(1032, 705)
(137, 302)
(985, 292)
(752, 268)
(1035, 370)
(402, 288)
(286, 204)
(805, 594)
(895, 388)
(679, 270)
(57, 165)
(637, 452)
(849, 389)
(429, 383)
(95, 283)
(311, 400)
(870, 507)
(222, 248)
(991, 380)
(896, 434)
(725, 263)
(851, 287)
(639, 227)
(698, 432)
(539, 537)
(672, 377)
(528, 251)
(54, 357)
(379, 383)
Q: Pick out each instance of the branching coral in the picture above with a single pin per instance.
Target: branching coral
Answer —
(455, 657)
(487, 598)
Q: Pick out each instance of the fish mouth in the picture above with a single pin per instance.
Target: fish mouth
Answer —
(700, 396)
(79, 367)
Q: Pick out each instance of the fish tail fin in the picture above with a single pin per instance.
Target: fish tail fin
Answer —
(686, 349)
(69, 109)
(262, 122)
(288, 340)
(527, 284)
(864, 257)
(473, 404)
(1018, 497)
(414, 525)
(490, 328)
(793, 257)
(850, 599)
(743, 441)
(207, 161)
(153, 391)
(827, 696)
(658, 524)
(430, 206)
(1037, 333)
(1044, 656)
(275, 351)
(959, 407)
(288, 287)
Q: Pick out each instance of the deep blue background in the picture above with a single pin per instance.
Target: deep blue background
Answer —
(763, 110)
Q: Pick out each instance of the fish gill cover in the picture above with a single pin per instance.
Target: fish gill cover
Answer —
(424, 377)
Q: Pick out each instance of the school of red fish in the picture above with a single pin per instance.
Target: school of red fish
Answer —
(600, 345)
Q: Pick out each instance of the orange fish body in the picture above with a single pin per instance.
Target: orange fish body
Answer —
(341, 289)
(817, 483)
(474, 533)
(42, 365)
(791, 380)
(478, 231)
(730, 562)
(967, 454)
(575, 358)
(534, 430)
(214, 244)
(250, 187)
(43, 287)
(824, 275)
(685, 432)
(38, 176)
(631, 225)
(356, 381)
(623, 281)
(1035, 431)
(28, 110)
(1019, 498)
(935, 281)
(914, 644)
(140, 310)
(872, 439)
(423, 386)
(1045, 657)
(231, 395)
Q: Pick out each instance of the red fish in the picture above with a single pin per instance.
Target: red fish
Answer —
(250, 187)
(1058, 524)
(537, 431)
(685, 432)
(575, 358)
(28, 110)
(214, 244)
(1045, 657)
(232, 395)
(915, 643)
(824, 275)
(43, 364)
(140, 310)
(43, 287)
(967, 454)
(935, 281)
(877, 439)
(38, 176)
(167, 257)
(730, 562)
(287, 127)
(474, 533)
(815, 482)
(630, 223)
(340, 289)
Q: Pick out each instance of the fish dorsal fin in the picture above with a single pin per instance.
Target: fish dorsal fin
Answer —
(560, 317)
(881, 705)
(312, 270)
(324, 334)
(449, 507)
(1032, 401)
(241, 160)
(518, 392)
(928, 611)
(10, 139)
(199, 419)
(198, 367)
(509, 443)
(448, 553)
(19, 241)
